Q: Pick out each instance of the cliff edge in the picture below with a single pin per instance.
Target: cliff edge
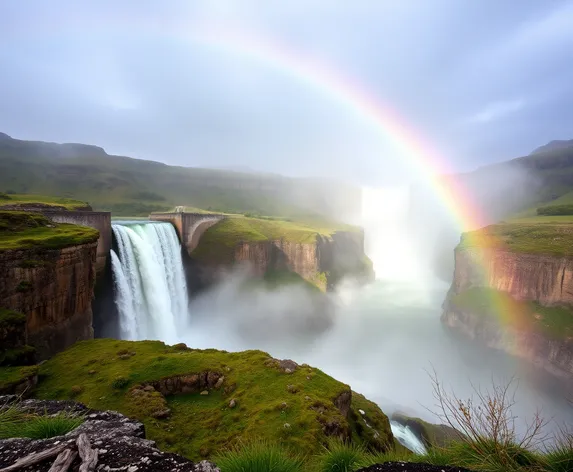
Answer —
(47, 274)
(319, 253)
(513, 291)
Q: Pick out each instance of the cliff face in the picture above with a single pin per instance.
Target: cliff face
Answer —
(545, 279)
(322, 262)
(53, 289)
(529, 283)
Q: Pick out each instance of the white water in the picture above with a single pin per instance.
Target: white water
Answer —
(150, 288)
(407, 437)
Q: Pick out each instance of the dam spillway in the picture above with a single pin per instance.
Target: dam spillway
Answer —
(150, 290)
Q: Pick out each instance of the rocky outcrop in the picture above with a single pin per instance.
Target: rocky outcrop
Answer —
(322, 262)
(521, 278)
(553, 355)
(545, 279)
(53, 288)
(119, 442)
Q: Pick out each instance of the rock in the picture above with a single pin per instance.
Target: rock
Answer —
(343, 401)
(220, 382)
(205, 392)
(161, 414)
(286, 426)
(232, 403)
(284, 406)
(292, 388)
(149, 388)
(288, 365)
(119, 440)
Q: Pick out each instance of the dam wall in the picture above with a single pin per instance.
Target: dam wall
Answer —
(100, 220)
(189, 226)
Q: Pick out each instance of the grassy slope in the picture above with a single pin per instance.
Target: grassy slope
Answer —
(21, 230)
(551, 235)
(202, 425)
(14, 375)
(555, 322)
(219, 241)
(67, 203)
(115, 183)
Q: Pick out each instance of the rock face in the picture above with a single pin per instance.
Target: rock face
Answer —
(54, 290)
(547, 280)
(323, 262)
(120, 442)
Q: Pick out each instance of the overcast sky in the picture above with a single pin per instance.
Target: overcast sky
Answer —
(482, 80)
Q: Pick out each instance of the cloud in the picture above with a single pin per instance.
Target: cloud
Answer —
(497, 110)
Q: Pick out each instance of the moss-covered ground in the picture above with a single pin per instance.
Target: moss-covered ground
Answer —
(271, 405)
(10, 376)
(555, 322)
(218, 242)
(541, 235)
(25, 230)
(17, 199)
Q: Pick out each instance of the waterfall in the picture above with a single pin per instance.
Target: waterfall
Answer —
(407, 438)
(150, 288)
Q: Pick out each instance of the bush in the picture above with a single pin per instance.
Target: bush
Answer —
(259, 457)
(119, 383)
(555, 210)
(341, 457)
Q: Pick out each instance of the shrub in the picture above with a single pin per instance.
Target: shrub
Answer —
(341, 457)
(258, 457)
(119, 382)
(15, 423)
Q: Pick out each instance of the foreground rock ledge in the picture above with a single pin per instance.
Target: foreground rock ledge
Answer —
(120, 442)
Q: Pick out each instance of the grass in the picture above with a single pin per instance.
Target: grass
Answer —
(534, 236)
(23, 230)
(17, 423)
(205, 425)
(12, 376)
(555, 322)
(19, 199)
(218, 243)
(259, 457)
(340, 457)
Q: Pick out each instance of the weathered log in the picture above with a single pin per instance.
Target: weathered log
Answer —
(34, 458)
(87, 453)
(63, 461)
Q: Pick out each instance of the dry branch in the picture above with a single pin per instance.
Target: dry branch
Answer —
(34, 458)
(63, 461)
(87, 453)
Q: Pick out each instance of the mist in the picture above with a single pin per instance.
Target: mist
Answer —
(383, 339)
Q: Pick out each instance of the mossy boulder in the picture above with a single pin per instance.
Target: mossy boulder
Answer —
(199, 402)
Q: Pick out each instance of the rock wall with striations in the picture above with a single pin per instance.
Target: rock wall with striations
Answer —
(544, 279)
(53, 289)
(323, 262)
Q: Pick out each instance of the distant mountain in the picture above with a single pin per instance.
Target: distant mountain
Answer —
(133, 187)
(553, 145)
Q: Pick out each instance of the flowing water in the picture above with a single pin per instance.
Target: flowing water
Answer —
(385, 339)
(150, 288)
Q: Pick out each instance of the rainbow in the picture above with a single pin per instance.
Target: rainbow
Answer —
(432, 167)
(365, 104)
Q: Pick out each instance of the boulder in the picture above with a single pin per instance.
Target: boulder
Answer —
(120, 441)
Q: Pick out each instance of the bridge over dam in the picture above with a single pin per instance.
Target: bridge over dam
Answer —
(189, 226)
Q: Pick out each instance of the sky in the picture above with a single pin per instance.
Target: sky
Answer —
(249, 83)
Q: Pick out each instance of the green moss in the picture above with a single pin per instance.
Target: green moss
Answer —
(10, 376)
(538, 238)
(555, 322)
(24, 286)
(27, 230)
(23, 355)
(372, 429)
(203, 425)
(67, 203)
(9, 318)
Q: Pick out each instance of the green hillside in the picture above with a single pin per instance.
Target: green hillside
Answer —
(134, 187)
(256, 400)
